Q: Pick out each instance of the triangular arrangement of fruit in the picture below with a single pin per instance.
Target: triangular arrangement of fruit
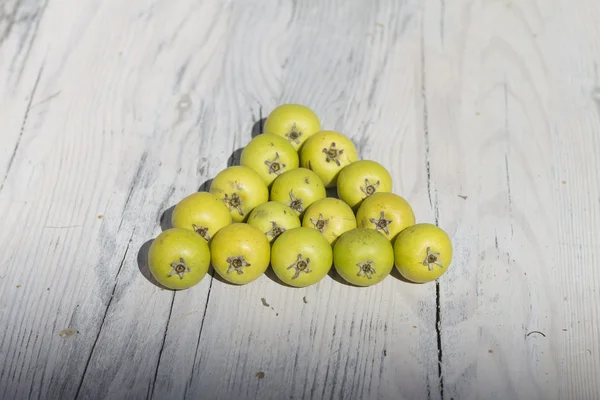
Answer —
(272, 210)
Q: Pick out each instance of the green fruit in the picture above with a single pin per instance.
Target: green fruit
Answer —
(301, 257)
(201, 212)
(387, 213)
(269, 155)
(326, 153)
(240, 189)
(362, 179)
(240, 253)
(422, 252)
(331, 217)
(298, 188)
(178, 258)
(294, 122)
(363, 257)
(273, 218)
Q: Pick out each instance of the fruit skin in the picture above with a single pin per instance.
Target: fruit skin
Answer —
(397, 214)
(247, 245)
(269, 155)
(360, 180)
(361, 246)
(326, 153)
(298, 188)
(294, 122)
(411, 254)
(272, 217)
(338, 217)
(295, 247)
(201, 212)
(241, 189)
(178, 246)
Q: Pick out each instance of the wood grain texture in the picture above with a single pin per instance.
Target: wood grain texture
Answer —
(486, 113)
(20, 72)
(513, 129)
(160, 113)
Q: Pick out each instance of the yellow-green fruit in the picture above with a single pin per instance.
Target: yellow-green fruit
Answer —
(387, 213)
(298, 188)
(360, 180)
(301, 257)
(422, 252)
(331, 217)
(240, 189)
(201, 212)
(363, 257)
(269, 155)
(326, 153)
(273, 218)
(178, 258)
(240, 253)
(294, 122)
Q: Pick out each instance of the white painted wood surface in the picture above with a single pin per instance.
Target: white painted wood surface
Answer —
(487, 113)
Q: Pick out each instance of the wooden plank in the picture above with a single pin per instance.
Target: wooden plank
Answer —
(343, 343)
(89, 194)
(192, 145)
(513, 129)
(20, 71)
(493, 97)
(155, 121)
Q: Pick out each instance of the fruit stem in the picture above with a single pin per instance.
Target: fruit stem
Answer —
(432, 259)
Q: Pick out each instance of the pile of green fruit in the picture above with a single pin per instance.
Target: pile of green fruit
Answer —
(273, 209)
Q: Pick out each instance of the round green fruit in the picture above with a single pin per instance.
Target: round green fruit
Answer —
(422, 252)
(360, 180)
(298, 188)
(301, 257)
(269, 155)
(178, 258)
(201, 212)
(240, 189)
(273, 218)
(240, 253)
(294, 122)
(326, 153)
(363, 257)
(387, 213)
(332, 217)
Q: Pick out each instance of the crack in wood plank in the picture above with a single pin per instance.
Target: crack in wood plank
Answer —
(132, 186)
(30, 44)
(212, 279)
(438, 333)
(31, 96)
(162, 345)
(87, 363)
(434, 204)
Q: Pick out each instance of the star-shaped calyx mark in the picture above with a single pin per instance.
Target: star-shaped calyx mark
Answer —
(366, 268)
(274, 165)
(300, 265)
(369, 187)
(294, 134)
(295, 204)
(432, 259)
(381, 223)
(237, 264)
(179, 268)
(233, 202)
(275, 231)
(320, 224)
(202, 231)
(333, 154)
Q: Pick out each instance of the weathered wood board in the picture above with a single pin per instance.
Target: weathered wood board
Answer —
(486, 113)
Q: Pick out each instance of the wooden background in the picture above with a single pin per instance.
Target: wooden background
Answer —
(487, 113)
